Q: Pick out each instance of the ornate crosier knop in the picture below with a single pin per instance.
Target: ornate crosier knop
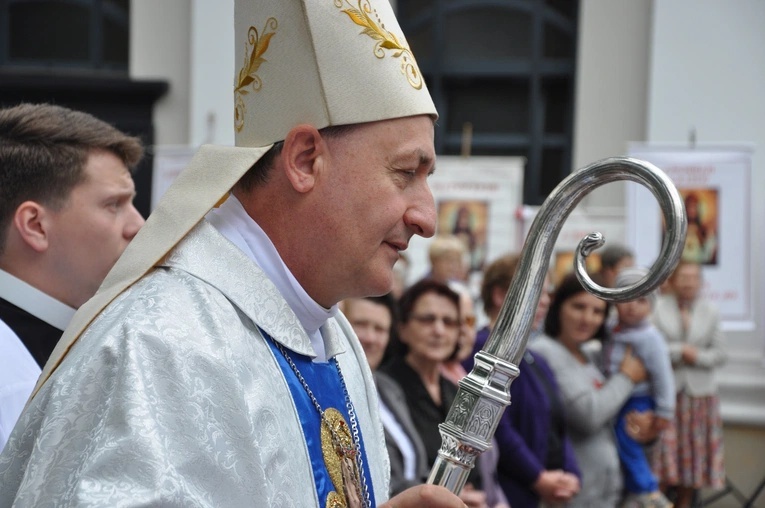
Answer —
(248, 78)
(385, 39)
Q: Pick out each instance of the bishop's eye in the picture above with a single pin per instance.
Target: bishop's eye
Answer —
(403, 177)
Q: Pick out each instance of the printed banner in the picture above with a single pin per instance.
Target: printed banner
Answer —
(715, 184)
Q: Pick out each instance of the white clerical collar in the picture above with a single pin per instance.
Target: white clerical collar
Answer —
(233, 222)
(34, 301)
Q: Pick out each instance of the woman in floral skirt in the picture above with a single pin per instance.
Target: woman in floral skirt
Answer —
(689, 455)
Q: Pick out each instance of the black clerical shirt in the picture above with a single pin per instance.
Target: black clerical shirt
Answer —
(37, 336)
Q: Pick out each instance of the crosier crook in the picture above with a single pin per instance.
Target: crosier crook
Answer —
(485, 392)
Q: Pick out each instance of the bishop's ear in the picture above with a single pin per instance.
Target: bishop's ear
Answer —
(304, 154)
(31, 222)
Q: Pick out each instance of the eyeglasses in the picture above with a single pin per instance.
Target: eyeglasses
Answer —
(469, 320)
(430, 319)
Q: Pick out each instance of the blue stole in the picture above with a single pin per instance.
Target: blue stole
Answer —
(324, 381)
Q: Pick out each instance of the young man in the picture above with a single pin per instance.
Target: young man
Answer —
(217, 373)
(66, 215)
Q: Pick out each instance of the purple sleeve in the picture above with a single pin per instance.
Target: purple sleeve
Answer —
(516, 459)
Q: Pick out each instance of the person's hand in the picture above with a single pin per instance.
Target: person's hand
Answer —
(568, 487)
(689, 354)
(632, 367)
(640, 426)
(425, 496)
(546, 484)
(473, 498)
(556, 486)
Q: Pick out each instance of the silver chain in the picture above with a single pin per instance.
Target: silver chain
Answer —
(362, 489)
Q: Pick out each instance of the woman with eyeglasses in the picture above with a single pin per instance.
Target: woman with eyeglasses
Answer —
(452, 369)
(428, 331)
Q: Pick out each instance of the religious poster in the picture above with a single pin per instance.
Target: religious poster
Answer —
(701, 212)
(714, 183)
(467, 221)
(476, 199)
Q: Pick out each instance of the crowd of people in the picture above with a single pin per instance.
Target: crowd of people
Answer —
(615, 405)
(226, 352)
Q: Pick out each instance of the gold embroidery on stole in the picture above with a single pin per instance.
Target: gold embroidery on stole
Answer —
(339, 454)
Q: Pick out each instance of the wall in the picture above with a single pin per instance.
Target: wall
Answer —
(160, 48)
(651, 71)
(212, 47)
(611, 88)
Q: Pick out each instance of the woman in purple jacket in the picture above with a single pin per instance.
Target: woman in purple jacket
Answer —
(536, 460)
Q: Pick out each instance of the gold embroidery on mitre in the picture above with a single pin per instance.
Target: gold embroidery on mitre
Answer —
(248, 78)
(339, 453)
(362, 16)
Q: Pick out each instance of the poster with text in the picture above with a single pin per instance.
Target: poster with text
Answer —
(715, 187)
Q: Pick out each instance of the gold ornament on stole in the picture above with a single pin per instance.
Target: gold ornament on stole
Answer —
(339, 453)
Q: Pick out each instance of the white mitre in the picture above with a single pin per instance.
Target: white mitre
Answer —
(321, 62)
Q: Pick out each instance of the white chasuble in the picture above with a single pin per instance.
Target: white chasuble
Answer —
(172, 397)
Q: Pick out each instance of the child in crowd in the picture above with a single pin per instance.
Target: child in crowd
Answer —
(635, 330)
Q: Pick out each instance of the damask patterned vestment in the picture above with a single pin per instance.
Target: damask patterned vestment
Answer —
(172, 397)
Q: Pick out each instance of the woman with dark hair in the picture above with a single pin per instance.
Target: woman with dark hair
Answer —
(575, 318)
(428, 329)
(428, 332)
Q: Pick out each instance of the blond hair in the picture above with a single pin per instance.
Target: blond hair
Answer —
(444, 245)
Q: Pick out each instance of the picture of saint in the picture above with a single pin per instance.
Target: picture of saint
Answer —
(467, 221)
(701, 240)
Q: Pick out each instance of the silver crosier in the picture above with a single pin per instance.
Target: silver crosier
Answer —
(485, 392)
